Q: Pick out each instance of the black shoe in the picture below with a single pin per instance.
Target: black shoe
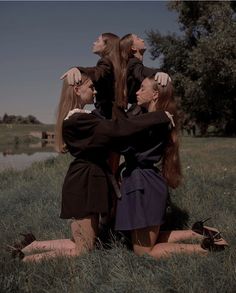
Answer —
(214, 243)
(28, 239)
(15, 252)
(199, 228)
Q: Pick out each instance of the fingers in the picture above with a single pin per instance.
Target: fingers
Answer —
(170, 116)
(73, 76)
(63, 76)
(162, 78)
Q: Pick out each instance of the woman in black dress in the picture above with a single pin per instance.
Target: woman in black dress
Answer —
(132, 49)
(88, 186)
(105, 75)
(152, 164)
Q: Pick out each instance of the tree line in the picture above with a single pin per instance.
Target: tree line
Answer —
(202, 62)
(18, 119)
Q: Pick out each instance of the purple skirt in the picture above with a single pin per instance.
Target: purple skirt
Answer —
(143, 202)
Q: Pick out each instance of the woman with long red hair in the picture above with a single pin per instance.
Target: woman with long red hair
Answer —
(152, 164)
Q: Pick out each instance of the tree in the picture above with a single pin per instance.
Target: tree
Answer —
(10, 119)
(202, 60)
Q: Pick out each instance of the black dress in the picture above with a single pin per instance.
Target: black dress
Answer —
(103, 78)
(89, 138)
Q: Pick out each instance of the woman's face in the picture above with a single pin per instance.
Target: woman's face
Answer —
(99, 46)
(146, 94)
(86, 92)
(138, 43)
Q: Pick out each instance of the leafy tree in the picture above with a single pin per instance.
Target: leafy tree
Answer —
(10, 119)
(202, 61)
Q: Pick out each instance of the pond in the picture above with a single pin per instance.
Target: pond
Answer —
(21, 157)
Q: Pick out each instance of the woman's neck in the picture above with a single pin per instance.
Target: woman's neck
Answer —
(151, 107)
(138, 55)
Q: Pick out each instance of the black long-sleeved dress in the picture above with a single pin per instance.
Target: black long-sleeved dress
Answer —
(89, 138)
(103, 78)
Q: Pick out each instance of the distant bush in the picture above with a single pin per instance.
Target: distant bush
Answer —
(18, 119)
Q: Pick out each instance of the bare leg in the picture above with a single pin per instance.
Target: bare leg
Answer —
(177, 235)
(49, 245)
(144, 241)
(84, 232)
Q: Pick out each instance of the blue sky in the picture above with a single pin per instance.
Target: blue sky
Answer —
(40, 40)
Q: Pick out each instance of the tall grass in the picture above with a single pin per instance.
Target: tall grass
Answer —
(30, 201)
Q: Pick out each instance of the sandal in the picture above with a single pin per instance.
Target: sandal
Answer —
(16, 252)
(28, 239)
(213, 243)
(205, 230)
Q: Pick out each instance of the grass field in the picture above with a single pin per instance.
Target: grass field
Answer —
(9, 132)
(30, 201)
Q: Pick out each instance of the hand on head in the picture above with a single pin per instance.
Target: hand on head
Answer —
(73, 76)
(162, 78)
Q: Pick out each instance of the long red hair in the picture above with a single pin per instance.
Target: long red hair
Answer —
(171, 167)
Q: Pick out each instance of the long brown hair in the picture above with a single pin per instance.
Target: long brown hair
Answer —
(126, 52)
(171, 167)
(112, 52)
(68, 101)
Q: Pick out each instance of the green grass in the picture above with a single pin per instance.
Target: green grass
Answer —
(9, 133)
(30, 201)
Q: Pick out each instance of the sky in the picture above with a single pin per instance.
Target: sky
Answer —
(41, 40)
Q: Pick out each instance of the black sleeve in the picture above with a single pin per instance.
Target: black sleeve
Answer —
(103, 68)
(86, 131)
(138, 70)
(116, 132)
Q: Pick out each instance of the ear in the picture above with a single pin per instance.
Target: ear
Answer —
(155, 96)
(77, 90)
(134, 50)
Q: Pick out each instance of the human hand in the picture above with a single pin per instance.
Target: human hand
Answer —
(170, 116)
(162, 78)
(73, 76)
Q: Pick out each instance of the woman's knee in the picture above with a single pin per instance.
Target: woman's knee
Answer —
(141, 250)
(84, 233)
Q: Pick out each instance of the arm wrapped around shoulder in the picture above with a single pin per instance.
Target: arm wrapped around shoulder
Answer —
(125, 127)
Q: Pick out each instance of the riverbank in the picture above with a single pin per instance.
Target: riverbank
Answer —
(21, 133)
(30, 201)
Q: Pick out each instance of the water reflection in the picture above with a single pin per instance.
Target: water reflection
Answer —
(20, 157)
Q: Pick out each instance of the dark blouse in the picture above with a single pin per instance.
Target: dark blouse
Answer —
(89, 138)
(136, 72)
(102, 76)
(147, 147)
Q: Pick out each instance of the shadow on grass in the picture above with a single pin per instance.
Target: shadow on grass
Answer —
(176, 218)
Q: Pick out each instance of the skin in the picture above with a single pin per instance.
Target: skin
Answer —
(99, 46)
(86, 93)
(150, 240)
(147, 97)
(138, 46)
(73, 75)
(84, 231)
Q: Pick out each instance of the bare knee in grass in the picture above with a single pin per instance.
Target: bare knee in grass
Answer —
(84, 232)
(144, 239)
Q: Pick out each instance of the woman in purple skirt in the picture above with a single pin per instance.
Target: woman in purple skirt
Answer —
(152, 164)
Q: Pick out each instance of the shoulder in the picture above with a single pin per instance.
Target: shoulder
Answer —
(135, 110)
(76, 111)
(80, 119)
(134, 61)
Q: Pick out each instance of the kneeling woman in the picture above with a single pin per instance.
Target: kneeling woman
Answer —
(88, 185)
(152, 164)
